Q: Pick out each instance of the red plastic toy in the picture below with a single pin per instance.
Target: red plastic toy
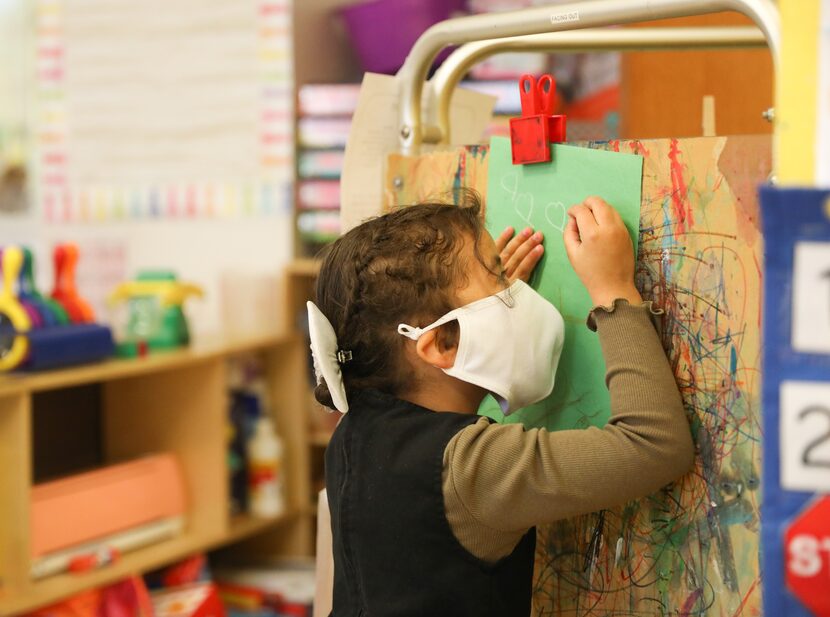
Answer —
(538, 127)
(65, 292)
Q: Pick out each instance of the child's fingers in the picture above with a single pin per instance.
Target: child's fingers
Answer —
(515, 242)
(585, 221)
(571, 236)
(603, 213)
(504, 238)
(526, 266)
(523, 250)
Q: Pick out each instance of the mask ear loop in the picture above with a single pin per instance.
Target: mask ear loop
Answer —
(505, 296)
(414, 332)
(410, 332)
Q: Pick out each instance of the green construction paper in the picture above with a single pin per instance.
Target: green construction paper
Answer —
(538, 196)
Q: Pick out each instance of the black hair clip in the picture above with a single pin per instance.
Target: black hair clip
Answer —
(344, 356)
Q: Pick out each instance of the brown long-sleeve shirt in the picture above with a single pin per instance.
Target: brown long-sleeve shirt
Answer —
(500, 480)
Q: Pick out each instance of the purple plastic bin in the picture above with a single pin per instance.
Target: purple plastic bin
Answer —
(383, 31)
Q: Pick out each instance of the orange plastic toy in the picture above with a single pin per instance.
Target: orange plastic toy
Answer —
(65, 292)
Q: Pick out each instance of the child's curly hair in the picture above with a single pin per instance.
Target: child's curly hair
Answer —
(402, 267)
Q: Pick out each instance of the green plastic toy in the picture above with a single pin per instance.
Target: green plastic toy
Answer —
(156, 321)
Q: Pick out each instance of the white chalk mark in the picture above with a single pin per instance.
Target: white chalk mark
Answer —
(618, 552)
(556, 215)
(510, 183)
(524, 207)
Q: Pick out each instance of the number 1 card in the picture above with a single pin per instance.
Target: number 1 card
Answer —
(811, 297)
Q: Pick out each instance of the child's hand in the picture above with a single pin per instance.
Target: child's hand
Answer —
(520, 253)
(601, 252)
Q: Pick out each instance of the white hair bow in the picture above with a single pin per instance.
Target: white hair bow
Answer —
(327, 356)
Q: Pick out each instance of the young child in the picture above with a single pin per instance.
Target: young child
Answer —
(419, 315)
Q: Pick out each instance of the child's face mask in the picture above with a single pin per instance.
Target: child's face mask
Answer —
(509, 344)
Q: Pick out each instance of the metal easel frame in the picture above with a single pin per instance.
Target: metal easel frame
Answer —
(449, 74)
(562, 17)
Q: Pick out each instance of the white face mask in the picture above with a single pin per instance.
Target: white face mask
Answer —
(509, 344)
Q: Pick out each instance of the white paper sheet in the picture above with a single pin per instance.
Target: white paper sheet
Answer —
(374, 134)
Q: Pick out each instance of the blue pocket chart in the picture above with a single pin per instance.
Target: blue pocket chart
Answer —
(796, 402)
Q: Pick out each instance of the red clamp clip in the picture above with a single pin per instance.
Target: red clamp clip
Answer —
(538, 127)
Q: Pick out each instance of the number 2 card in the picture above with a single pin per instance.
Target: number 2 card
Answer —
(805, 436)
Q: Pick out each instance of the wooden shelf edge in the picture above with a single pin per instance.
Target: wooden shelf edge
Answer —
(304, 266)
(245, 525)
(108, 370)
(55, 588)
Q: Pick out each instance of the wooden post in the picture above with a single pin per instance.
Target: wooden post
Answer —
(15, 487)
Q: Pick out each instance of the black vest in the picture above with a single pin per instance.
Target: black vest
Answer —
(394, 551)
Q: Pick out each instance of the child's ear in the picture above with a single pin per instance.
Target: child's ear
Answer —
(432, 352)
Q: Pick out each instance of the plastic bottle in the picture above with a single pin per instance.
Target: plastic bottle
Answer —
(265, 480)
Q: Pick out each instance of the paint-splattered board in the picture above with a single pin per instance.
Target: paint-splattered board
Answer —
(693, 548)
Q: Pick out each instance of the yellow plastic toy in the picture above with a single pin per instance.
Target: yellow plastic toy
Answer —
(14, 321)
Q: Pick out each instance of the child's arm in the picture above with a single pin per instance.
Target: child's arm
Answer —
(501, 480)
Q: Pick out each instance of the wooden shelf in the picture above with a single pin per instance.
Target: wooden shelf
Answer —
(174, 402)
(110, 370)
(246, 525)
(54, 588)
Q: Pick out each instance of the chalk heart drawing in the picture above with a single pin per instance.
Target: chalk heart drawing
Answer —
(556, 215)
(523, 204)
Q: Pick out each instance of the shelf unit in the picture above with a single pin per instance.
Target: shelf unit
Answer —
(174, 402)
(322, 55)
(301, 278)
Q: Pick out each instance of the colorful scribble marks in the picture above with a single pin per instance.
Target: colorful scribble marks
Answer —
(691, 549)
(679, 190)
(435, 175)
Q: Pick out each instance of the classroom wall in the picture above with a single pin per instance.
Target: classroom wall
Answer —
(15, 68)
(172, 126)
(13, 41)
